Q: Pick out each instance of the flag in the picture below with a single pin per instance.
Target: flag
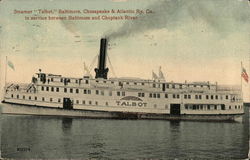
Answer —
(11, 65)
(244, 74)
(154, 76)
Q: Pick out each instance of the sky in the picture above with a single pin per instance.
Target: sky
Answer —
(193, 40)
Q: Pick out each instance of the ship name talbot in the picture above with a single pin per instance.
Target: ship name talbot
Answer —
(126, 103)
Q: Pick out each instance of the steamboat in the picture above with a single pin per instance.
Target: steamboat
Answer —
(123, 98)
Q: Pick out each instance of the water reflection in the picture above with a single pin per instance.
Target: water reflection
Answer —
(66, 124)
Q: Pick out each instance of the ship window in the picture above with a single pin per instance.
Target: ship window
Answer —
(180, 86)
(153, 85)
(154, 95)
(35, 98)
(83, 102)
(185, 96)
(166, 95)
(215, 107)
(123, 93)
(57, 89)
(52, 89)
(97, 92)
(166, 106)
(216, 97)
(150, 95)
(107, 103)
(208, 107)
(24, 98)
(139, 94)
(77, 90)
(47, 88)
(186, 106)
(112, 82)
(178, 96)
(173, 86)
(89, 91)
(51, 99)
(223, 107)
(167, 86)
(61, 79)
(194, 85)
(201, 107)
(87, 81)
(29, 97)
(71, 90)
(17, 96)
(189, 96)
(69, 80)
(118, 93)
(90, 102)
(194, 107)
(229, 107)
(200, 97)
(196, 96)
(65, 90)
(77, 101)
(207, 97)
(135, 83)
(76, 81)
(96, 103)
(226, 96)
(84, 91)
(235, 107)
(110, 93)
(59, 100)
(142, 84)
(173, 95)
(97, 81)
(52, 79)
(158, 95)
(127, 83)
(43, 99)
(11, 95)
(42, 88)
(212, 97)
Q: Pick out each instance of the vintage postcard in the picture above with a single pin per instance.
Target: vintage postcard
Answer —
(125, 79)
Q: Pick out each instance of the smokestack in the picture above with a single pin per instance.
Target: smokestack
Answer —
(102, 71)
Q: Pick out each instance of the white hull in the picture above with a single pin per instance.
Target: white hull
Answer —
(49, 111)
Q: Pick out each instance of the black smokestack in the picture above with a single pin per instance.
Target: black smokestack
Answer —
(102, 71)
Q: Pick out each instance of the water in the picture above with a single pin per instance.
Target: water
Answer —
(57, 137)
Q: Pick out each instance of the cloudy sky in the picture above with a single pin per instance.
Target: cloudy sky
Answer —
(193, 40)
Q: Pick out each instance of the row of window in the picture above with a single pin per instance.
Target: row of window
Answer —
(187, 106)
(210, 107)
(68, 80)
(140, 94)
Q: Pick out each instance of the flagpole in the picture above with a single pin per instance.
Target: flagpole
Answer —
(241, 76)
(6, 61)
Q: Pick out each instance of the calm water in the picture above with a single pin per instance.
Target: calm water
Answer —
(54, 137)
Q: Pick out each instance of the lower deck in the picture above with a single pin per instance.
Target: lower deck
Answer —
(128, 104)
(12, 108)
